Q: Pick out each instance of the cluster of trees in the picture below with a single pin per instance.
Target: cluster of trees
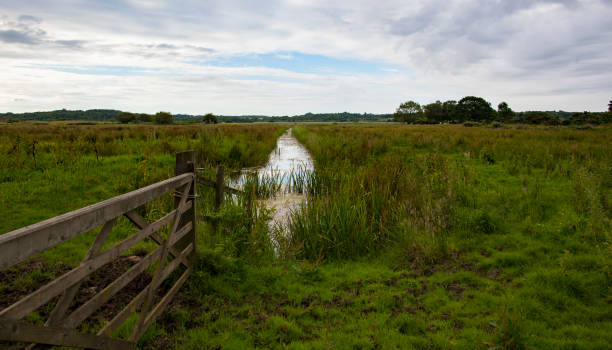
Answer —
(210, 118)
(337, 117)
(477, 109)
(309, 117)
(470, 108)
(591, 118)
(64, 114)
(157, 118)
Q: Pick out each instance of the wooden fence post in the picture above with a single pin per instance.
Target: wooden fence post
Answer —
(61, 328)
(219, 187)
(185, 163)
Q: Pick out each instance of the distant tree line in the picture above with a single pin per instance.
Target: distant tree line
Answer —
(64, 114)
(309, 117)
(477, 109)
(468, 109)
(157, 118)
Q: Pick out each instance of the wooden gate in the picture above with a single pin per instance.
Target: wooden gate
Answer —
(60, 328)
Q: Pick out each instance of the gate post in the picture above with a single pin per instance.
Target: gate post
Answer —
(185, 163)
(219, 188)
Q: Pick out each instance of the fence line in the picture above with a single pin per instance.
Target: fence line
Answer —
(180, 245)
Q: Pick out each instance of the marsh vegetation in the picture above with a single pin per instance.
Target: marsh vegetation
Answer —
(425, 237)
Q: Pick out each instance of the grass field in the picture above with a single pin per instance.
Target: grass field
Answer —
(424, 237)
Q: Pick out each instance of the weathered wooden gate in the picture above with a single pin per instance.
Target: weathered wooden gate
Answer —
(61, 326)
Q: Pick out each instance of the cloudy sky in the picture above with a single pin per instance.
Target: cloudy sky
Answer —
(296, 56)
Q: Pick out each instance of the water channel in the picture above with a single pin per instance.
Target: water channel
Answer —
(288, 157)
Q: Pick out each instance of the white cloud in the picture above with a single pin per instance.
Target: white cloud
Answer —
(533, 54)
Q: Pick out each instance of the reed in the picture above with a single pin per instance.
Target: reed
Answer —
(375, 186)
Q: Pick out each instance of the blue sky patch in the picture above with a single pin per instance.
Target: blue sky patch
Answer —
(303, 63)
(100, 69)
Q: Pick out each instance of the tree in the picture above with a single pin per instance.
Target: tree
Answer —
(163, 118)
(210, 118)
(539, 117)
(449, 109)
(610, 106)
(590, 118)
(409, 112)
(474, 108)
(143, 117)
(504, 112)
(125, 117)
(434, 112)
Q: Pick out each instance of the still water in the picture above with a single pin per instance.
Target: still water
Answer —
(289, 156)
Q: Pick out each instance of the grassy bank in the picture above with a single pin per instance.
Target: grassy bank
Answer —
(432, 237)
(424, 237)
(48, 170)
(513, 223)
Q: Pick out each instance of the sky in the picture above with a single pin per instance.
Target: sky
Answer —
(290, 57)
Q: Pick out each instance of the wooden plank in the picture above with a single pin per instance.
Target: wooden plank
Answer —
(210, 183)
(38, 298)
(162, 261)
(219, 188)
(163, 303)
(185, 163)
(123, 315)
(140, 222)
(136, 219)
(80, 314)
(11, 330)
(206, 182)
(194, 219)
(232, 190)
(18, 245)
(66, 299)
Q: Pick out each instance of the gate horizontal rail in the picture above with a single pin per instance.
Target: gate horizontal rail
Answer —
(60, 328)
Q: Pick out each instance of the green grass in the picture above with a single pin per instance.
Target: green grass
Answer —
(53, 169)
(422, 237)
(80, 165)
(512, 207)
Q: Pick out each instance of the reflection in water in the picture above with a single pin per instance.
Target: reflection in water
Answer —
(288, 158)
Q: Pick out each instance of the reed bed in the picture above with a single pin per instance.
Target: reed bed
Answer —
(375, 185)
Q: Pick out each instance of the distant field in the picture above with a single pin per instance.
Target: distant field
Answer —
(424, 237)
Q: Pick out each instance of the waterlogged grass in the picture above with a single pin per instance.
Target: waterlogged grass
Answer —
(524, 213)
(424, 238)
(48, 170)
(412, 237)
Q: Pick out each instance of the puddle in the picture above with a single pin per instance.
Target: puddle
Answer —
(289, 156)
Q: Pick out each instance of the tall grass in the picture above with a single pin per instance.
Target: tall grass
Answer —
(411, 187)
(525, 211)
(74, 166)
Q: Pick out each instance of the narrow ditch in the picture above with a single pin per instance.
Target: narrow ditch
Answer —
(289, 157)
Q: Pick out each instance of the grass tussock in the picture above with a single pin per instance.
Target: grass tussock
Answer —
(412, 237)
(521, 207)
